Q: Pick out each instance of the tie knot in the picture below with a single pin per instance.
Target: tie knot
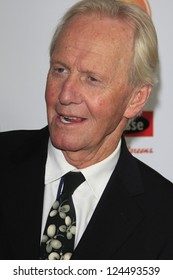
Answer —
(71, 181)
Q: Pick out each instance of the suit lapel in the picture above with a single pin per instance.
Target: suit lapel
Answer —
(117, 214)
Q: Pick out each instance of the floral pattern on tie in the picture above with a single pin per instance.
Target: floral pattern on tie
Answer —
(55, 234)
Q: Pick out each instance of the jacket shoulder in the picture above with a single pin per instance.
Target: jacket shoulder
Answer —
(13, 140)
(132, 169)
(151, 176)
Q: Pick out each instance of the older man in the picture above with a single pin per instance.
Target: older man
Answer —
(103, 60)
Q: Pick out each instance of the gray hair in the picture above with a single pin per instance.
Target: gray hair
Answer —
(145, 59)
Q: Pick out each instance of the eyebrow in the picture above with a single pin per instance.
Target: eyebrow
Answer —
(58, 62)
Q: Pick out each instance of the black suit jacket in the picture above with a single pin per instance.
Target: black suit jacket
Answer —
(133, 219)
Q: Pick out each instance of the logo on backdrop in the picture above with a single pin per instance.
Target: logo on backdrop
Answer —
(141, 126)
(143, 3)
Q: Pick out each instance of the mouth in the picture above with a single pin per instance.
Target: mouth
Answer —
(70, 119)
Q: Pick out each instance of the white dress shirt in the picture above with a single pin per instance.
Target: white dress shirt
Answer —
(87, 195)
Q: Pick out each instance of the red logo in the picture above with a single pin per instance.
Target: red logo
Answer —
(141, 126)
(143, 3)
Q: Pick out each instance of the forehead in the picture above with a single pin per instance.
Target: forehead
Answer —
(98, 36)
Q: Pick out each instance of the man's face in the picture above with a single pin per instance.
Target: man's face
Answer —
(87, 88)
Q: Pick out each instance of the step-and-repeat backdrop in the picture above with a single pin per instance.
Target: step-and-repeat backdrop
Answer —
(26, 28)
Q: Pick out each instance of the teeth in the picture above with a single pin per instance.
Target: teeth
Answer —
(66, 119)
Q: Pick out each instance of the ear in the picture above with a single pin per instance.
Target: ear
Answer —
(137, 101)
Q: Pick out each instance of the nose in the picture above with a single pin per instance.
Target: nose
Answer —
(70, 91)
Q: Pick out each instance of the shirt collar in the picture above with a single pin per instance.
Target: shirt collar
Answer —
(98, 174)
(56, 164)
(95, 175)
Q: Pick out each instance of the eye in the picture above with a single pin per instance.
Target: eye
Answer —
(92, 79)
(60, 70)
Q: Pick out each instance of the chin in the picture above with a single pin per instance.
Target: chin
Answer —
(64, 145)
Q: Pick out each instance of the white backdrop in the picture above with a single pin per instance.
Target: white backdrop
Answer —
(26, 28)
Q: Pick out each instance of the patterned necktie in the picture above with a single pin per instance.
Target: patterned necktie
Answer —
(59, 234)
